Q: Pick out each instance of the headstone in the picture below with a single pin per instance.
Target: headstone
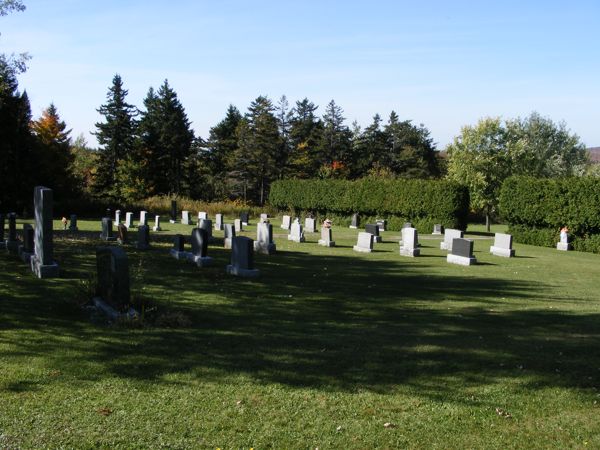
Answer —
(438, 229)
(198, 255)
(12, 243)
(326, 238)
(118, 216)
(27, 249)
(206, 224)
(286, 222)
(185, 217)
(108, 213)
(238, 225)
(156, 226)
(129, 219)
(178, 250)
(264, 217)
(113, 277)
(410, 242)
(122, 233)
(229, 233)
(374, 230)
(173, 218)
(245, 218)
(2, 241)
(143, 218)
(202, 215)
(143, 240)
(407, 225)
(310, 225)
(502, 245)
(355, 221)
(462, 252)
(563, 244)
(218, 221)
(107, 230)
(264, 239)
(242, 258)
(449, 237)
(296, 233)
(382, 224)
(42, 262)
(364, 243)
(73, 223)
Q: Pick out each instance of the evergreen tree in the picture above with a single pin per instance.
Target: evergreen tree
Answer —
(369, 152)
(166, 142)
(305, 136)
(54, 152)
(284, 119)
(335, 145)
(116, 137)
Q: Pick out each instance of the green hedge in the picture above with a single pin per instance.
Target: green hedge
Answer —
(423, 202)
(537, 208)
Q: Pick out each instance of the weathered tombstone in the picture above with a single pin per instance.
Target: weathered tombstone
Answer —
(178, 250)
(173, 218)
(198, 255)
(564, 243)
(382, 224)
(143, 218)
(326, 238)
(143, 241)
(108, 213)
(12, 243)
(410, 242)
(206, 224)
(42, 261)
(185, 217)
(449, 237)
(2, 242)
(156, 226)
(374, 230)
(113, 280)
(438, 229)
(218, 221)
(242, 258)
(129, 219)
(264, 217)
(202, 215)
(502, 245)
(407, 225)
(355, 221)
(462, 252)
(286, 222)
(73, 223)
(296, 233)
(264, 239)
(122, 233)
(310, 225)
(238, 225)
(229, 234)
(245, 218)
(27, 249)
(364, 243)
(118, 216)
(107, 230)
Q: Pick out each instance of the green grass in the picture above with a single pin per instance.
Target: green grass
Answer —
(322, 350)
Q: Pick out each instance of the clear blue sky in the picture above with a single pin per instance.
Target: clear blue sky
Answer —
(441, 63)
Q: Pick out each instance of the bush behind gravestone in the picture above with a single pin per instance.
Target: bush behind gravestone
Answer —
(422, 202)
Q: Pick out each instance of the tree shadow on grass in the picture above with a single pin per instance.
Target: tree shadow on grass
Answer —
(332, 322)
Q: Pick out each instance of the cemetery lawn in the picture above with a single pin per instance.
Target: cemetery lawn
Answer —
(329, 348)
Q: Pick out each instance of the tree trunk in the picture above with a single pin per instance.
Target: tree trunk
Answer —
(487, 220)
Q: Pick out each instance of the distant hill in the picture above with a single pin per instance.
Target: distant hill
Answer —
(594, 154)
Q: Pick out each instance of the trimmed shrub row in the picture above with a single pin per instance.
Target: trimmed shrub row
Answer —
(537, 208)
(422, 202)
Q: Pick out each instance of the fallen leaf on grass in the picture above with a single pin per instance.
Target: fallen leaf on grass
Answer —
(105, 411)
(503, 413)
(389, 425)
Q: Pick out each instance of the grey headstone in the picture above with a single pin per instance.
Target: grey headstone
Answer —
(178, 250)
(185, 217)
(73, 223)
(242, 258)
(326, 237)
(382, 224)
(238, 225)
(296, 233)
(42, 261)
(12, 227)
(264, 217)
(129, 219)
(502, 245)
(438, 229)
(374, 230)
(264, 239)
(407, 225)
(364, 243)
(355, 223)
(143, 218)
(199, 242)
(462, 252)
(202, 215)
(229, 234)
(156, 226)
(143, 240)
(107, 230)
(113, 277)
(449, 237)
(310, 225)
(118, 216)
(286, 222)
(410, 242)
(122, 232)
(28, 248)
(206, 224)
(218, 221)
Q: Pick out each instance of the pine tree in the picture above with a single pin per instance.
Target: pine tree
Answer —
(305, 136)
(369, 149)
(335, 142)
(284, 118)
(116, 137)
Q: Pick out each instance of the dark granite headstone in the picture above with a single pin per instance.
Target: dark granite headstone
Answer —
(382, 224)
(143, 241)
(42, 262)
(199, 242)
(462, 247)
(173, 210)
(12, 227)
(73, 223)
(355, 221)
(206, 225)
(245, 218)
(122, 231)
(113, 277)
(372, 228)
(107, 229)
(28, 238)
(178, 243)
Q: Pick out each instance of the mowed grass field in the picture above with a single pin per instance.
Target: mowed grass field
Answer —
(329, 348)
